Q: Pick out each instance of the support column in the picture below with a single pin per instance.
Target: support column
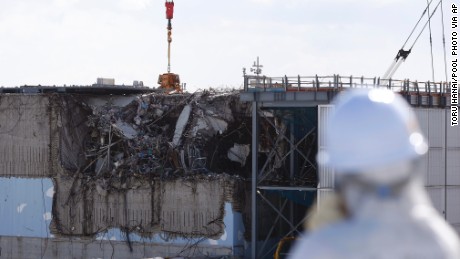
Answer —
(255, 172)
(292, 162)
(292, 148)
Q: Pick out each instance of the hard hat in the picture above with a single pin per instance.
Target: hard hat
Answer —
(371, 129)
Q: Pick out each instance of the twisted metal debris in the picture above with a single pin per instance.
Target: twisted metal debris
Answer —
(139, 138)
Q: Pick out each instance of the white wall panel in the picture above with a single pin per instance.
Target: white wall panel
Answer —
(453, 204)
(437, 197)
(322, 194)
(324, 112)
(436, 127)
(423, 119)
(453, 135)
(432, 123)
(436, 167)
(456, 228)
(453, 166)
(424, 168)
(326, 174)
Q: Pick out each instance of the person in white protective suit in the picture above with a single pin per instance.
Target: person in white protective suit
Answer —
(374, 144)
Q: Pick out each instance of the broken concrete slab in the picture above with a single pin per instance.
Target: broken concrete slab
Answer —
(209, 126)
(239, 153)
(180, 125)
(114, 100)
(216, 124)
(125, 129)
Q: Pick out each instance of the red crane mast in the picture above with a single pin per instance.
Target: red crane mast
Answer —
(169, 81)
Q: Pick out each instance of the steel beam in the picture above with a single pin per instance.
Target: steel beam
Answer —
(255, 150)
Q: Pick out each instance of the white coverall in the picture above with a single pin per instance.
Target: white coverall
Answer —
(405, 226)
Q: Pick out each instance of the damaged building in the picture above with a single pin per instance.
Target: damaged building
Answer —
(168, 135)
(149, 165)
(177, 175)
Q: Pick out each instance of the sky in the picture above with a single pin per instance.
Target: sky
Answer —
(73, 42)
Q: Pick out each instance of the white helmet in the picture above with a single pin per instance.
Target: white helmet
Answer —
(369, 130)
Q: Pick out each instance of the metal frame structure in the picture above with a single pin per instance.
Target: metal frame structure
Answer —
(270, 95)
(284, 167)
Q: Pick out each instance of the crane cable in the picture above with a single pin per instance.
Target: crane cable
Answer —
(431, 42)
(402, 54)
(429, 18)
(444, 42)
(415, 27)
(444, 90)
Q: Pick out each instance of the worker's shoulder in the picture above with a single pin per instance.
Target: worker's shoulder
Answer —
(442, 233)
(332, 241)
(426, 237)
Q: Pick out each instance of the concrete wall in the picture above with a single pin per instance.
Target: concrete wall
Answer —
(440, 166)
(87, 208)
(32, 247)
(193, 208)
(24, 135)
(43, 136)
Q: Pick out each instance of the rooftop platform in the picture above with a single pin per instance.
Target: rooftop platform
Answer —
(90, 89)
(301, 91)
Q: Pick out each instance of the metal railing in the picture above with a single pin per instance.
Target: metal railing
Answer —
(253, 83)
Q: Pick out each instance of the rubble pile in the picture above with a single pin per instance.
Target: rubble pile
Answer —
(150, 164)
(167, 136)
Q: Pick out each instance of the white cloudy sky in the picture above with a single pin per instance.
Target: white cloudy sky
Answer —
(56, 42)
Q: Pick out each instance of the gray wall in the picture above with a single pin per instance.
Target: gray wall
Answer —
(24, 135)
(440, 166)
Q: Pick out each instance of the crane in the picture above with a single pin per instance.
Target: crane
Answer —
(169, 81)
(402, 54)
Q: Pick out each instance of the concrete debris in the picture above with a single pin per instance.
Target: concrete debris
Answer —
(199, 126)
(153, 136)
(218, 125)
(139, 139)
(180, 125)
(116, 101)
(209, 126)
(125, 129)
(238, 153)
(141, 163)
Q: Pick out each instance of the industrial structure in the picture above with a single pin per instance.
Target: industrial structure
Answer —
(286, 178)
(110, 170)
(285, 126)
(157, 135)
